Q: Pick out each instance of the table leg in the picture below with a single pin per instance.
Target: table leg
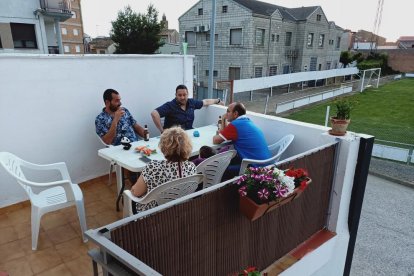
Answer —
(121, 187)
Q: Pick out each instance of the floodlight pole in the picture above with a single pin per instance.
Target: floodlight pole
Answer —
(212, 36)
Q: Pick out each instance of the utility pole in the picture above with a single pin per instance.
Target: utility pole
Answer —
(212, 37)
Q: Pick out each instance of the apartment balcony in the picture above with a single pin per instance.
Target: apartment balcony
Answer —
(56, 8)
(204, 231)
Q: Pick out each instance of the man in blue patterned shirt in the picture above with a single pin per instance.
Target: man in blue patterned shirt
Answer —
(179, 111)
(115, 122)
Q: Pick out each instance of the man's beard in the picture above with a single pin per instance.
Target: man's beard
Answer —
(114, 108)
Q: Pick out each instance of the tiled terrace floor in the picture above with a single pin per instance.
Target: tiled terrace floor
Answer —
(60, 247)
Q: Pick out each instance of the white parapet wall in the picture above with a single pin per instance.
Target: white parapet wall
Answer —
(49, 105)
(267, 82)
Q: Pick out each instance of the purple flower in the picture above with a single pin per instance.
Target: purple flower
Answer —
(263, 194)
(280, 190)
(243, 191)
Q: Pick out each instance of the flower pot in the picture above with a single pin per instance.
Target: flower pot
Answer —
(253, 211)
(299, 190)
(339, 126)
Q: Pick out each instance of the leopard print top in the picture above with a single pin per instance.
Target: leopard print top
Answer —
(157, 172)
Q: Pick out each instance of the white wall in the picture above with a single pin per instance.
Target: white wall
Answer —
(267, 82)
(49, 103)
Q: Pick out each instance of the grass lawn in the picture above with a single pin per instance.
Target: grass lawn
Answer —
(386, 113)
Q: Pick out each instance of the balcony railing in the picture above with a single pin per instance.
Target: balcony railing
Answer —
(56, 6)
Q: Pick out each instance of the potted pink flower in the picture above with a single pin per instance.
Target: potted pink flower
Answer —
(266, 188)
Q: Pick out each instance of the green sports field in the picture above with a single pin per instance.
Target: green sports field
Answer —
(386, 113)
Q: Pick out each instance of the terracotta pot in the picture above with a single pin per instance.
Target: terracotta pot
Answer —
(299, 191)
(339, 126)
(253, 211)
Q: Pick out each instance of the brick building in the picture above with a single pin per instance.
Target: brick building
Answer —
(256, 39)
(72, 31)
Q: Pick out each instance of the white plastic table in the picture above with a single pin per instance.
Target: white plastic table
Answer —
(130, 159)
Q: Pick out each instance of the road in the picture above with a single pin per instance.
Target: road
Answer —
(385, 241)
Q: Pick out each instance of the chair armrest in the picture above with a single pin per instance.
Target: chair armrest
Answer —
(128, 199)
(245, 162)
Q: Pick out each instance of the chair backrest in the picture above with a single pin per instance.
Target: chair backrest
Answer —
(12, 164)
(213, 168)
(276, 149)
(173, 189)
(280, 146)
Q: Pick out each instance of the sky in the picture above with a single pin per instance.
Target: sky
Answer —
(348, 14)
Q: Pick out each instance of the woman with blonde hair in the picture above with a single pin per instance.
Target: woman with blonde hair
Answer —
(176, 147)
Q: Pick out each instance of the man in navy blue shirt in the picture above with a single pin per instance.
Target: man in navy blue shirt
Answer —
(179, 111)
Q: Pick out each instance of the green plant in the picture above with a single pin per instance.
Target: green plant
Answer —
(343, 108)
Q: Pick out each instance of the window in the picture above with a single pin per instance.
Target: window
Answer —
(319, 67)
(328, 65)
(286, 69)
(101, 52)
(258, 72)
(1, 45)
(73, 14)
(190, 38)
(277, 38)
(234, 73)
(321, 40)
(215, 73)
(208, 37)
(273, 70)
(224, 9)
(273, 37)
(313, 62)
(75, 32)
(288, 41)
(77, 49)
(200, 11)
(260, 34)
(236, 36)
(66, 49)
(24, 35)
(331, 41)
(309, 43)
(318, 17)
(64, 31)
(338, 42)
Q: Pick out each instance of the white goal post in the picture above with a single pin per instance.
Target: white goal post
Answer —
(369, 77)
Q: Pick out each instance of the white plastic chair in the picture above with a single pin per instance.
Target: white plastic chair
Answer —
(164, 193)
(213, 168)
(111, 164)
(47, 196)
(276, 149)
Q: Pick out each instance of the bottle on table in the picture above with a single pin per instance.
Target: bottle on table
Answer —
(146, 133)
(219, 125)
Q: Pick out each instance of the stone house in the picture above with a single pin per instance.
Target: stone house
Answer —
(256, 39)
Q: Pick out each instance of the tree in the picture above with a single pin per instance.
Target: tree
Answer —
(345, 58)
(136, 33)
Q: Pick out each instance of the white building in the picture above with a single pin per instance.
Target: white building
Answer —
(32, 26)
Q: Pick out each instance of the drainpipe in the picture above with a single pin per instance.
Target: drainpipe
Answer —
(58, 36)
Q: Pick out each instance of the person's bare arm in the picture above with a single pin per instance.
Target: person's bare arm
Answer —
(110, 135)
(139, 129)
(217, 139)
(140, 187)
(207, 102)
(157, 120)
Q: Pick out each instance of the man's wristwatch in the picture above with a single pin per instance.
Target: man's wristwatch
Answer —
(218, 101)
